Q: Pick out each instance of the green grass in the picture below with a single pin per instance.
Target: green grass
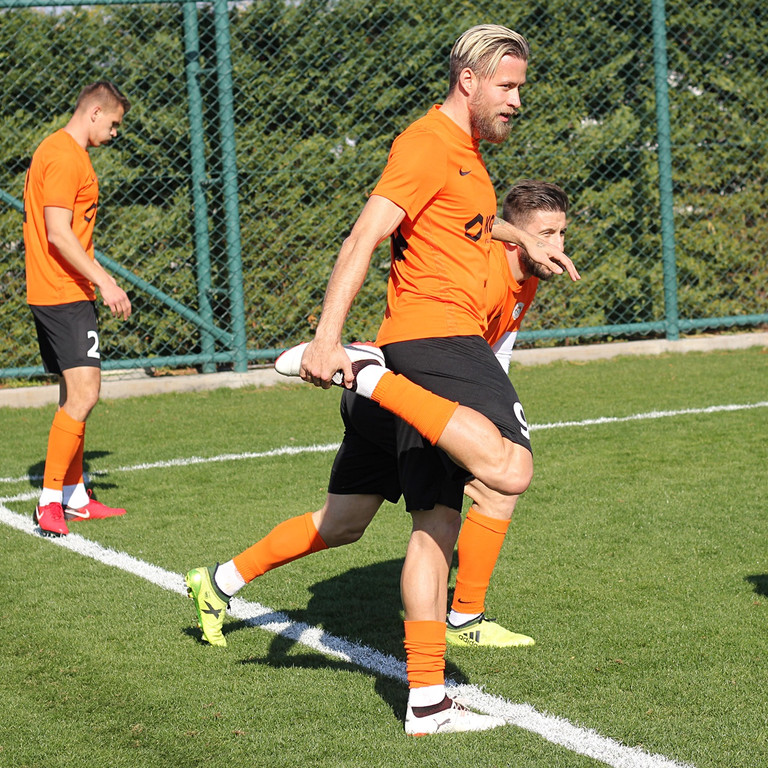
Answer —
(637, 560)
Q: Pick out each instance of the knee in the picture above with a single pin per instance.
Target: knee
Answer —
(515, 479)
(344, 518)
(489, 503)
(441, 524)
(338, 531)
(448, 530)
(520, 482)
(339, 536)
(80, 404)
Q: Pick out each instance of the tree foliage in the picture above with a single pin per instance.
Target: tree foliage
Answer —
(320, 90)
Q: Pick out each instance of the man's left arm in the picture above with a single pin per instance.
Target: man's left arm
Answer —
(539, 250)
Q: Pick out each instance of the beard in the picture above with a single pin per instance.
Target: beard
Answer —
(533, 268)
(485, 123)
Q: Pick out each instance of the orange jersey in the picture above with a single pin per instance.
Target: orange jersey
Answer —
(60, 176)
(507, 300)
(439, 268)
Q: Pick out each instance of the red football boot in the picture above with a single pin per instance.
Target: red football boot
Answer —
(93, 510)
(50, 518)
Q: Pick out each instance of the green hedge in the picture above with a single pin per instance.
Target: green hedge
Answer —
(321, 89)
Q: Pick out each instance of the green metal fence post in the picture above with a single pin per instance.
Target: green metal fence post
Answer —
(229, 183)
(197, 160)
(665, 169)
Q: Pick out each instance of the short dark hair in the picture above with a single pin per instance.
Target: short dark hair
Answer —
(530, 195)
(105, 91)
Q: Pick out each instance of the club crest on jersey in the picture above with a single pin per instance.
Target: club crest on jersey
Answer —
(517, 311)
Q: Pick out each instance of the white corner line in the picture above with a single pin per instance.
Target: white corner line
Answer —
(557, 730)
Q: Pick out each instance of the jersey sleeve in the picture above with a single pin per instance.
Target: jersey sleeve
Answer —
(61, 182)
(415, 172)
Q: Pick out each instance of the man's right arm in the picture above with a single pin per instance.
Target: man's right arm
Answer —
(324, 356)
(58, 225)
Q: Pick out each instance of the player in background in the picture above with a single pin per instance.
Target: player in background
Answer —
(540, 208)
(61, 195)
(354, 496)
(436, 202)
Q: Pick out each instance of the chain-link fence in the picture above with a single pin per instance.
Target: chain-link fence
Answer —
(257, 130)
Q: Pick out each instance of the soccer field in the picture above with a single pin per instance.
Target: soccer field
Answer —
(637, 560)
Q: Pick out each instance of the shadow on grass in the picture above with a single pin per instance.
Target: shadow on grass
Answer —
(760, 583)
(363, 606)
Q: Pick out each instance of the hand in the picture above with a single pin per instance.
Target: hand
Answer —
(544, 253)
(321, 360)
(115, 298)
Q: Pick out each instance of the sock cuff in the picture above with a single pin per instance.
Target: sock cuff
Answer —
(317, 543)
(491, 523)
(384, 386)
(367, 379)
(424, 631)
(62, 420)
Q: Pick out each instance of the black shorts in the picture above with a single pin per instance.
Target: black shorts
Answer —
(366, 461)
(68, 335)
(465, 370)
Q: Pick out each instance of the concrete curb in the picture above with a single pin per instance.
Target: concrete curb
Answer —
(120, 384)
(649, 347)
(136, 383)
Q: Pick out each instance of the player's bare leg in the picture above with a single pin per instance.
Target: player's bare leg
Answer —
(424, 589)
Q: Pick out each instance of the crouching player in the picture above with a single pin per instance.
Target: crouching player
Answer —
(540, 208)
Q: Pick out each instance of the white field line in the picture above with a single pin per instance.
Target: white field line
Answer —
(652, 415)
(329, 447)
(288, 450)
(554, 729)
(583, 741)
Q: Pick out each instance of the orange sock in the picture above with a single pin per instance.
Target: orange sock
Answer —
(479, 546)
(427, 412)
(64, 441)
(425, 653)
(290, 540)
(75, 471)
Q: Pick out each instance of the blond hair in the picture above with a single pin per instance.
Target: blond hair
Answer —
(482, 48)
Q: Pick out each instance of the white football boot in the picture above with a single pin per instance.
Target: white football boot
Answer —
(447, 717)
(361, 355)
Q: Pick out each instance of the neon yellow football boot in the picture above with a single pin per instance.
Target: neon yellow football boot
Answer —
(485, 632)
(210, 602)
